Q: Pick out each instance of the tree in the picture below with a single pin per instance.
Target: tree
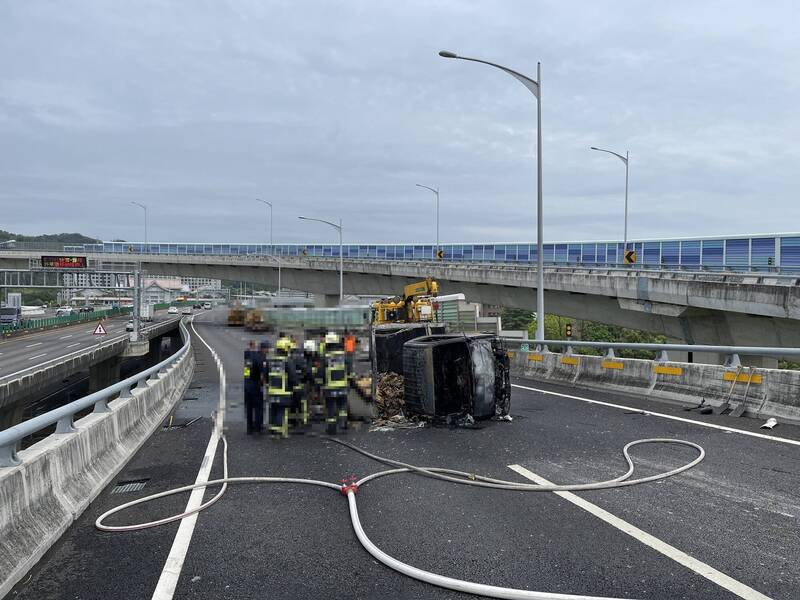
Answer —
(516, 318)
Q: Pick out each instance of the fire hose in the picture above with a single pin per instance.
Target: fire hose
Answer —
(451, 475)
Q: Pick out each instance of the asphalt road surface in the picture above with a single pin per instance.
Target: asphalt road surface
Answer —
(726, 529)
(22, 352)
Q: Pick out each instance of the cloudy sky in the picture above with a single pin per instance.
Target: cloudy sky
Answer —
(336, 109)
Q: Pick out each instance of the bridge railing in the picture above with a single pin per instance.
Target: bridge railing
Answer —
(64, 416)
(77, 317)
(662, 351)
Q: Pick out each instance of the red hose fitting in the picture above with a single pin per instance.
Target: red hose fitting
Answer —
(348, 485)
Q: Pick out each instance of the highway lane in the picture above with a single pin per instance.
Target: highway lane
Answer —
(737, 512)
(22, 352)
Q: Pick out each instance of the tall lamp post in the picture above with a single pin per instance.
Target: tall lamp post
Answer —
(341, 258)
(271, 245)
(435, 191)
(269, 204)
(142, 206)
(534, 87)
(624, 159)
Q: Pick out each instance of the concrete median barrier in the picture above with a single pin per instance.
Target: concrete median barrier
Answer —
(62, 474)
(765, 392)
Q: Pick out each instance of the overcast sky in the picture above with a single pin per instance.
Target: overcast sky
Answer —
(337, 109)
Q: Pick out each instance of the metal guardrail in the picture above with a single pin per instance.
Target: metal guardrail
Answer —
(64, 416)
(662, 350)
(27, 324)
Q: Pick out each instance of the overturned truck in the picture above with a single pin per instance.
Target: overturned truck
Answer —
(452, 375)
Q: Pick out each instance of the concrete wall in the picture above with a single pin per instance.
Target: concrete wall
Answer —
(61, 475)
(771, 392)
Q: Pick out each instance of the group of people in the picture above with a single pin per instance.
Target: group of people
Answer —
(284, 380)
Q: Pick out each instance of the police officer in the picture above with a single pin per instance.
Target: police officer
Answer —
(253, 399)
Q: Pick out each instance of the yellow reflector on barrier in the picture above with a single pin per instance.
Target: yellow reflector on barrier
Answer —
(613, 364)
(665, 370)
(743, 377)
(535, 357)
(569, 360)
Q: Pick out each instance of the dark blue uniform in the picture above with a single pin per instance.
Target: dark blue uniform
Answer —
(253, 398)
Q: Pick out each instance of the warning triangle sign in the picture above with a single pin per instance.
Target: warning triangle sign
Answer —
(99, 330)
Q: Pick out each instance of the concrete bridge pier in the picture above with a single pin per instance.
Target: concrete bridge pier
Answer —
(104, 373)
(326, 300)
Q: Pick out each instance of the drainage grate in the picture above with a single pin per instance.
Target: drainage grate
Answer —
(123, 487)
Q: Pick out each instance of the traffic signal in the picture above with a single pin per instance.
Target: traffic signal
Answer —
(770, 261)
(569, 330)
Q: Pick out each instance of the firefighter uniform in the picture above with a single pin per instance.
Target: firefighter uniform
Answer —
(334, 385)
(281, 380)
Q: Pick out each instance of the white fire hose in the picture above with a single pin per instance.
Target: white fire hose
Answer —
(451, 475)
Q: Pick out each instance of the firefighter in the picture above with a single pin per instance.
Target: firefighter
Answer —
(334, 386)
(281, 378)
(299, 409)
(253, 399)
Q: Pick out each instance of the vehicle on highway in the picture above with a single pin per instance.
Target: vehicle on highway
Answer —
(129, 326)
(172, 310)
(86, 309)
(10, 315)
(186, 310)
(146, 312)
(65, 311)
(207, 305)
(197, 306)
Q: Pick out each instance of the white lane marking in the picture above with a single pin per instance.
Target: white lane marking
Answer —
(73, 345)
(699, 567)
(664, 416)
(38, 356)
(36, 344)
(168, 581)
(64, 337)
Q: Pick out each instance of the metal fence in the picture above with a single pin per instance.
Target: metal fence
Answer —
(662, 351)
(30, 324)
(64, 416)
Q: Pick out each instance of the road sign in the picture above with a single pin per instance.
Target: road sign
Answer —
(523, 347)
(630, 257)
(440, 254)
(63, 262)
(99, 330)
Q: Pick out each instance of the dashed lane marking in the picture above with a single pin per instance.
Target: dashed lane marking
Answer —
(37, 356)
(671, 552)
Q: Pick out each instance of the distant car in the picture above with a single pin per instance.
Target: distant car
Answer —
(186, 310)
(197, 306)
(129, 326)
(86, 309)
(173, 310)
(207, 305)
(64, 311)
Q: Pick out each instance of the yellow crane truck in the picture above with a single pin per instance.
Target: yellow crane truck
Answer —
(414, 306)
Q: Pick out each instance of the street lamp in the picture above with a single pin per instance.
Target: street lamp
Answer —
(435, 191)
(271, 245)
(341, 259)
(140, 205)
(268, 203)
(625, 160)
(535, 88)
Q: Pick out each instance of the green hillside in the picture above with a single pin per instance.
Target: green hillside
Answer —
(61, 238)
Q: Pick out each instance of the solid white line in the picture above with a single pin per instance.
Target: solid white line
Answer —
(38, 356)
(663, 416)
(168, 581)
(36, 344)
(699, 567)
